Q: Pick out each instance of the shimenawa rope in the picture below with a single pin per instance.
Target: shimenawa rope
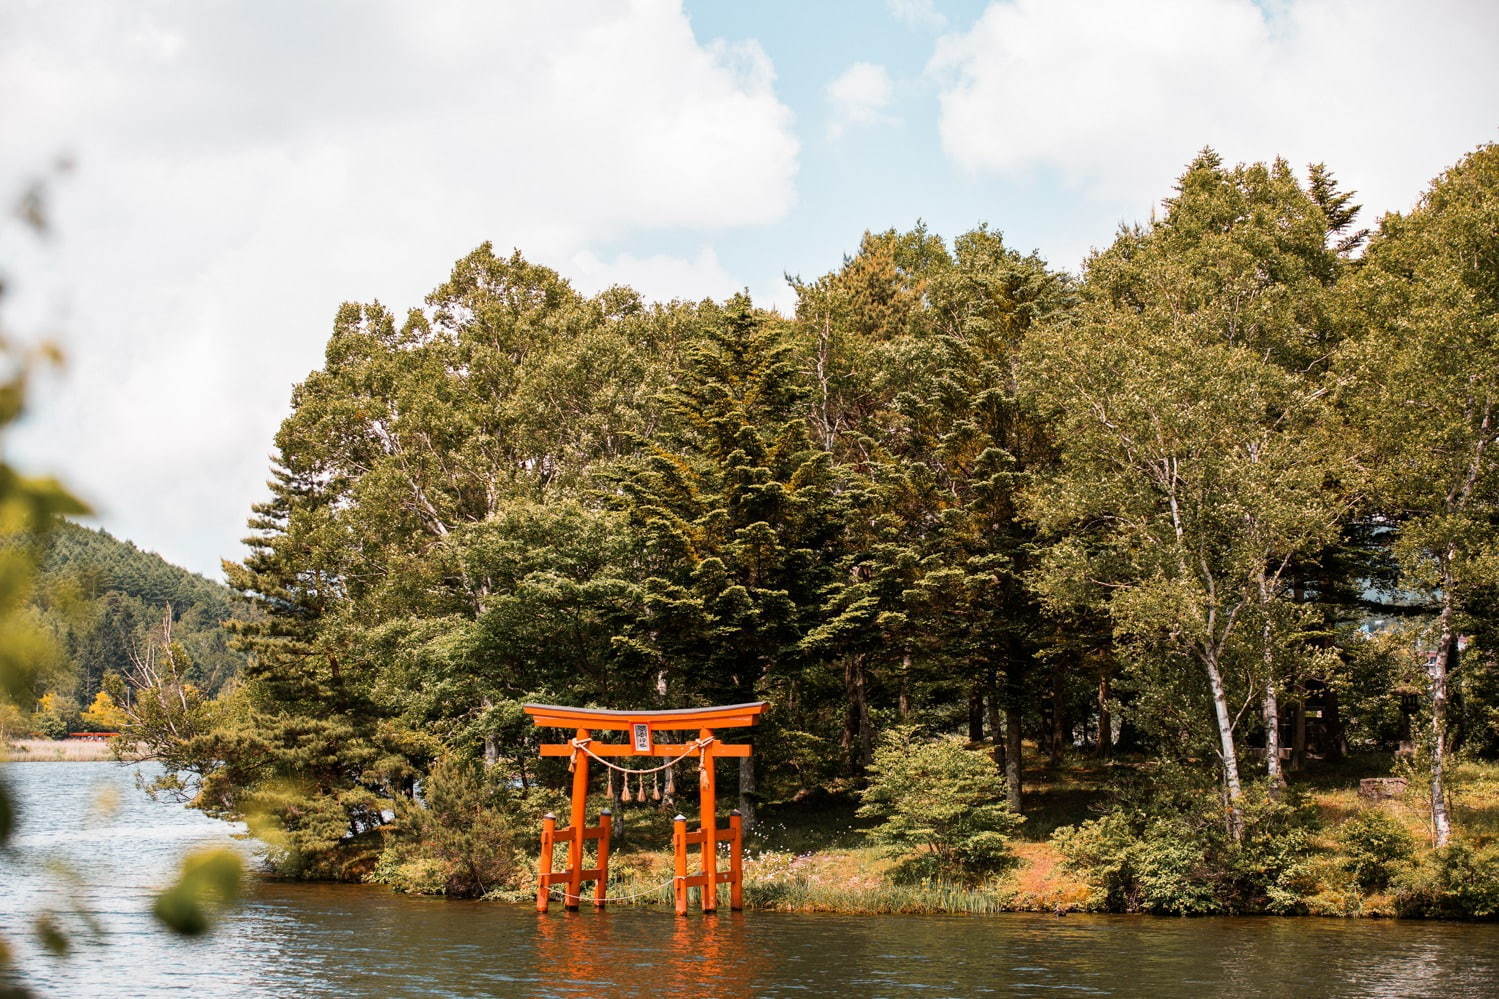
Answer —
(698, 745)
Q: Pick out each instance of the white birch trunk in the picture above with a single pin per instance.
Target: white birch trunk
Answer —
(1234, 791)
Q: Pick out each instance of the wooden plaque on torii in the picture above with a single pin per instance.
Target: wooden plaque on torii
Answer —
(641, 729)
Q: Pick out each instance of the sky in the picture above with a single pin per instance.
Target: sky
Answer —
(239, 169)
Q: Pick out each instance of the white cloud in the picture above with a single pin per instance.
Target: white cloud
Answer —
(661, 278)
(860, 96)
(658, 278)
(916, 13)
(1119, 95)
(244, 168)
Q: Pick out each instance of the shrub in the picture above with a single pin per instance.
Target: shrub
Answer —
(13, 722)
(55, 716)
(941, 806)
(1374, 845)
(1164, 848)
(462, 839)
(1455, 882)
(1101, 851)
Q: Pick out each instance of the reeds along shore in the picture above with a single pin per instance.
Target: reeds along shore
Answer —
(56, 751)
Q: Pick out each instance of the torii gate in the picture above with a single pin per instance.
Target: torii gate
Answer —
(643, 726)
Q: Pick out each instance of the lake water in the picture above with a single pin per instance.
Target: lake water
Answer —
(350, 941)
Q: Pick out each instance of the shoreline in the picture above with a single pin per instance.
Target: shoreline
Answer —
(790, 874)
(663, 906)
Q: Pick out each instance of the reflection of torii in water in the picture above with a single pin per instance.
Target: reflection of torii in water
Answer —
(642, 727)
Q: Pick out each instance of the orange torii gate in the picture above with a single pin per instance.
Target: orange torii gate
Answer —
(642, 727)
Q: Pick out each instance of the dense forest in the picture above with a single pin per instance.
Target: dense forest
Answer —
(1221, 507)
(105, 602)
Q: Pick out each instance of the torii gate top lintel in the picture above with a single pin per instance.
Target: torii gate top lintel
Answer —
(671, 719)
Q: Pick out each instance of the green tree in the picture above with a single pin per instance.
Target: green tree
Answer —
(1198, 461)
(1423, 387)
(740, 517)
(941, 807)
(418, 491)
(915, 361)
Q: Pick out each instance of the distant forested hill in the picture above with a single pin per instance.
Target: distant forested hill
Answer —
(103, 596)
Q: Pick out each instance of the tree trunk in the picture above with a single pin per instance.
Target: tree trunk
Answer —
(1059, 726)
(1272, 739)
(1012, 756)
(747, 790)
(995, 718)
(1298, 732)
(866, 726)
(858, 732)
(491, 747)
(904, 703)
(1271, 702)
(1332, 726)
(1233, 790)
(1105, 720)
(1438, 672)
(976, 713)
(992, 711)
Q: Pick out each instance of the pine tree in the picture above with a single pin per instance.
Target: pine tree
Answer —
(740, 516)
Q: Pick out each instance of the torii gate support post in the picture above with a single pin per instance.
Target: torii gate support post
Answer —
(579, 821)
(544, 862)
(736, 861)
(707, 821)
(601, 883)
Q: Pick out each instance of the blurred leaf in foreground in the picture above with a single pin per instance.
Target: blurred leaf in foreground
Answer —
(210, 881)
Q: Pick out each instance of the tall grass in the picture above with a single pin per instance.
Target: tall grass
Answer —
(55, 751)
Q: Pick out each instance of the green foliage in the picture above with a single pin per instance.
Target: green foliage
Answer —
(941, 808)
(1167, 848)
(14, 723)
(209, 881)
(103, 597)
(55, 716)
(464, 838)
(1458, 881)
(738, 514)
(1375, 847)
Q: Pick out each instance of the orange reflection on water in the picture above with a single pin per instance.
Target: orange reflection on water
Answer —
(590, 954)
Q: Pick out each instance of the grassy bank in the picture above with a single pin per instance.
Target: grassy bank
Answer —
(55, 751)
(817, 856)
